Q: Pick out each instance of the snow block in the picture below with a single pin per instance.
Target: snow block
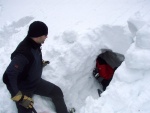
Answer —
(143, 37)
(137, 58)
(135, 23)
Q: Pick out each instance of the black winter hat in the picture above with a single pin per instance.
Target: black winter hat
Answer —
(37, 28)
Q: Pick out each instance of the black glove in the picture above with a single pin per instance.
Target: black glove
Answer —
(95, 73)
(23, 100)
(97, 76)
(45, 63)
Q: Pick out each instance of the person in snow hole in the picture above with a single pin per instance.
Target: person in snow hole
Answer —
(106, 64)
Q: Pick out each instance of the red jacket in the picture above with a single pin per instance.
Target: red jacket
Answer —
(104, 70)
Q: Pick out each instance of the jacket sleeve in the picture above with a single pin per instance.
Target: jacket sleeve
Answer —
(14, 70)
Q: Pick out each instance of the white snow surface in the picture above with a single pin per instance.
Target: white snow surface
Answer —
(78, 31)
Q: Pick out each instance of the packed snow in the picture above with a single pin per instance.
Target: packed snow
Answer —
(78, 32)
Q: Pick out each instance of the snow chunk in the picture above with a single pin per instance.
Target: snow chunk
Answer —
(137, 58)
(69, 36)
(143, 37)
(135, 23)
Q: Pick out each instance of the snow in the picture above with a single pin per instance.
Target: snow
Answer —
(78, 31)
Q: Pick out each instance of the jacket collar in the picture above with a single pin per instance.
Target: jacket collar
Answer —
(32, 43)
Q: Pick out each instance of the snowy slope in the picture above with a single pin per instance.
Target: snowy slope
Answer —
(78, 30)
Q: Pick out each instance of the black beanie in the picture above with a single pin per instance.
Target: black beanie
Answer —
(37, 28)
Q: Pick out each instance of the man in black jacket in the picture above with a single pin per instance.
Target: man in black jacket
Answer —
(23, 75)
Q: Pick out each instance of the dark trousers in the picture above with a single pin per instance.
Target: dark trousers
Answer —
(47, 89)
(105, 83)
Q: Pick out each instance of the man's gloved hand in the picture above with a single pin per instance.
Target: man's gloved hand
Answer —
(45, 63)
(23, 100)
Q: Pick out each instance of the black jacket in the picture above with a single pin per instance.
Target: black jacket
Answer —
(25, 69)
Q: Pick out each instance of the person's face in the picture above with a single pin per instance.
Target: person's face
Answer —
(41, 39)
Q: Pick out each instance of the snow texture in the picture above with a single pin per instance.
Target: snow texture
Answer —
(78, 31)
